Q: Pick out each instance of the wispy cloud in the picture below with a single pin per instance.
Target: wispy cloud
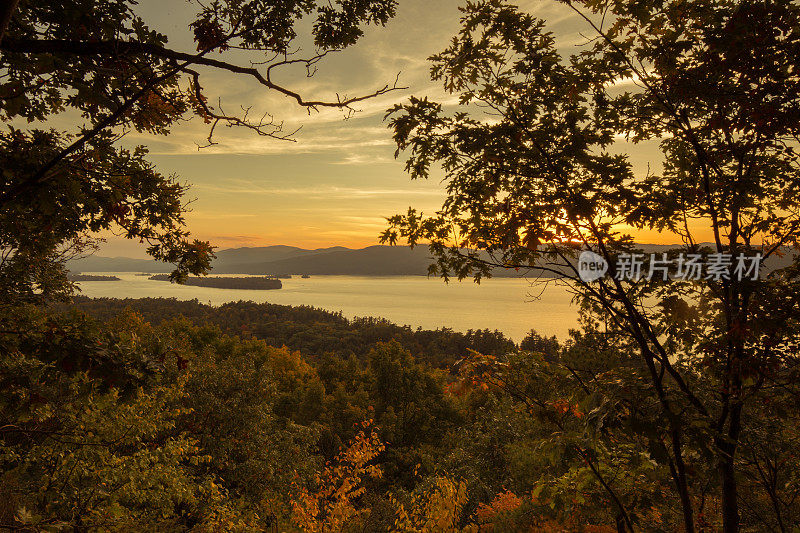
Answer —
(364, 159)
(218, 215)
(363, 221)
(239, 186)
(333, 184)
(240, 239)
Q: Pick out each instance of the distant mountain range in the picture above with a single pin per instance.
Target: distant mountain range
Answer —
(290, 260)
(283, 260)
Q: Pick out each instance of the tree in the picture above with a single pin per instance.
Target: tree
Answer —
(330, 506)
(99, 61)
(438, 508)
(535, 180)
(87, 430)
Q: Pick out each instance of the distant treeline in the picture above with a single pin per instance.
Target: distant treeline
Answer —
(252, 283)
(89, 277)
(308, 329)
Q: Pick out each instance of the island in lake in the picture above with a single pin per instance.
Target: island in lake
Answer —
(259, 283)
(88, 277)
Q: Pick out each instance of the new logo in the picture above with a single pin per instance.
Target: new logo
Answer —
(591, 266)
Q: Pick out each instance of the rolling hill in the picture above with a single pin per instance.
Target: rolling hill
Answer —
(290, 260)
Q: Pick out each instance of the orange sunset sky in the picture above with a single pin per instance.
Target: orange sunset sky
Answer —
(336, 184)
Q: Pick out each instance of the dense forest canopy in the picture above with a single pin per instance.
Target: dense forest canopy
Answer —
(312, 331)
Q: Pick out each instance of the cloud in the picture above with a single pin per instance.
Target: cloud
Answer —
(241, 239)
(364, 159)
(218, 215)
(363, 221)
(421, 28)
(240, 186)
(339, 174)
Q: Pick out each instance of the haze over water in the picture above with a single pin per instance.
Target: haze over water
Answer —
(513, 306)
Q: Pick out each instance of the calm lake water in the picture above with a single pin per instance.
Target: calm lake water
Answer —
(513, 306)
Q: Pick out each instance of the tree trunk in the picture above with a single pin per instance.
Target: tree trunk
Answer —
(730, 496)
(683, 485)
(730, 507)
(7, 8)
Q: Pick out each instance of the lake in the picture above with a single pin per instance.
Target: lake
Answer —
(511, 305)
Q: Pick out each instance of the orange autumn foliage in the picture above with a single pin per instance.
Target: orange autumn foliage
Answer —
(329, 507)
(504, 503)
(498, 515)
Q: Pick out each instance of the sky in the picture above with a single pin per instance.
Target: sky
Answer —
(339, 180)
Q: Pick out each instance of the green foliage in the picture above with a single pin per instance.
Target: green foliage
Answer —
(194, 428)
(234, 397)
(436, 507)
(314, 332)
(88, 432)
(119, 424)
